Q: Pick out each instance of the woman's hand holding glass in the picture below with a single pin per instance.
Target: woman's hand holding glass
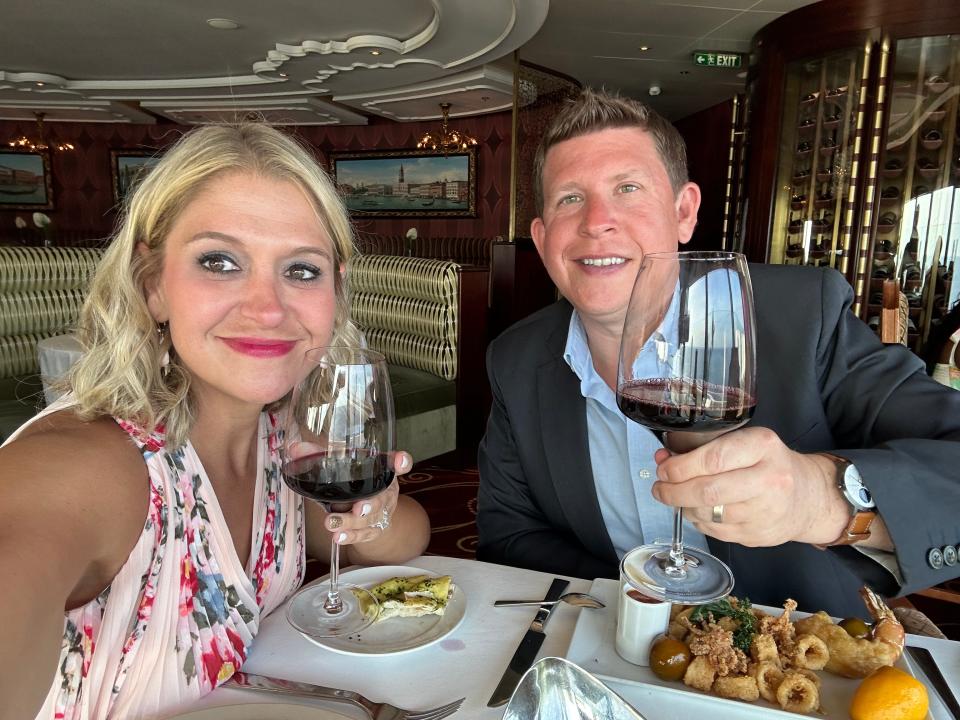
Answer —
(367, 520)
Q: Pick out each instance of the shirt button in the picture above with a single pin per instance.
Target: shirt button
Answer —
(935, 558)
(643, 474)
(949, 555)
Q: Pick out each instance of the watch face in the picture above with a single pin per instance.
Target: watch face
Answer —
(855, 490)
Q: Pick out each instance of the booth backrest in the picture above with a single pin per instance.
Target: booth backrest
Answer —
(41, 291)
(408, 310)
(429, 318)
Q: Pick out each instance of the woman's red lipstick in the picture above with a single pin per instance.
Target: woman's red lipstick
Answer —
(257, 347)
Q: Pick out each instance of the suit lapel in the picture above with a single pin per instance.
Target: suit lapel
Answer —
(566, 446)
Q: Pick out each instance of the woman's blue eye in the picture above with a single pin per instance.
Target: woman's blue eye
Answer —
(218, 263)
(303, 272)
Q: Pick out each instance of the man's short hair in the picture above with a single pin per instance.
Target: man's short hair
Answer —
(595, 110)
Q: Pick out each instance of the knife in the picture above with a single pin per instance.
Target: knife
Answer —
(528, 648)
(922, 657)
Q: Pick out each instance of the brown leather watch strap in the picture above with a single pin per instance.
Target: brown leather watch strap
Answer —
(858, 529)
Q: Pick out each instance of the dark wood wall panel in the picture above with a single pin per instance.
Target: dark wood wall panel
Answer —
(707, 135)
(83, 191)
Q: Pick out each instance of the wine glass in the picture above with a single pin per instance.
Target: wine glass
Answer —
(337, 448)
(688, 365)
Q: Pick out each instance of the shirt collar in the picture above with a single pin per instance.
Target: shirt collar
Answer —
(577, 355)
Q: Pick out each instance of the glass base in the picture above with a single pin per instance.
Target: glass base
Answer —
(306, 611)
(705, 578)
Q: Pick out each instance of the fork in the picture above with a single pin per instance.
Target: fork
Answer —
(376, 711)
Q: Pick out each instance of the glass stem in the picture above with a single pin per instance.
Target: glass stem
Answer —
(334, 604)
(677, 560)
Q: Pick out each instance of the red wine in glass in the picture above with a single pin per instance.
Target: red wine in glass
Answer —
(671, 405)
(338, 478)
(688, 365)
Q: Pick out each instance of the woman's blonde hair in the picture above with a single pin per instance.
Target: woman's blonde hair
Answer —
(122, 371)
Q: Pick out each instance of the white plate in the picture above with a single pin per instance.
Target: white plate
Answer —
(263, 711)
(395, 635)
(592, 648)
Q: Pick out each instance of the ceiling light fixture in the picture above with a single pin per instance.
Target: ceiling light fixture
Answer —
(374, 52)
(446, 139)
(40, 144)
(644, 48)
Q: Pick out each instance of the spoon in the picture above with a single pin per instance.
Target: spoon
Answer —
(577, 599)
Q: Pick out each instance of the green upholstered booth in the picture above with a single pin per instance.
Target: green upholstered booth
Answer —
(41, 290)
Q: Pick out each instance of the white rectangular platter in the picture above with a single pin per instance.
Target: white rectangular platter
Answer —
(592, 648)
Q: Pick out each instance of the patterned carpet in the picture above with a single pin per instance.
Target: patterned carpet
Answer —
(450, 499)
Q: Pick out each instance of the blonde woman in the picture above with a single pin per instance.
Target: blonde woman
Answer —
(144, 526)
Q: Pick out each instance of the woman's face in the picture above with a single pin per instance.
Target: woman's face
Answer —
(247, 286)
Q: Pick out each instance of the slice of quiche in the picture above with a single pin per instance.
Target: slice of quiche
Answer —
(414, 596)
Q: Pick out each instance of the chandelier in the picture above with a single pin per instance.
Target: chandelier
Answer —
(446, 139)
(40, 144)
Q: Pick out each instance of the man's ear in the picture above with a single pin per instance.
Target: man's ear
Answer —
(538, 232)
(688, 202)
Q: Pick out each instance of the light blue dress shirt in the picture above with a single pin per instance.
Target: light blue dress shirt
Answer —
(621, 457)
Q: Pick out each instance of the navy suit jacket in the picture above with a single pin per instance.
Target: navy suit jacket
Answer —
(825, 383)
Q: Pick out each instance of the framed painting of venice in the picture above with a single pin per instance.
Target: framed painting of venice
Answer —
(25, 180)
(129, 167)
(397, 183)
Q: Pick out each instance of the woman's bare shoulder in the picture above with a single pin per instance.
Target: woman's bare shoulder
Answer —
(81, 486)
(63, 436)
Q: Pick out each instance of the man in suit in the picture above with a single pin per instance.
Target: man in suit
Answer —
(568, 484)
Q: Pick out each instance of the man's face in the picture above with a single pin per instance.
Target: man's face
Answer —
(607, 201)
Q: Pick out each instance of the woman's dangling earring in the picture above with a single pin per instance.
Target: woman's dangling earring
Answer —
(165, 346)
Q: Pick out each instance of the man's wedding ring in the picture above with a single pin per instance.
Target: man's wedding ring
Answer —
(717, 515)
(384, 521)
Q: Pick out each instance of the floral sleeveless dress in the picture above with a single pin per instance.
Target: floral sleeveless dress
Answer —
(179, 617)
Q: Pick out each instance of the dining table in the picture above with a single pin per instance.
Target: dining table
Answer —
(469, 661)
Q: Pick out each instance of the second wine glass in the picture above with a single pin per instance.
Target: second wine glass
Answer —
(687, 364)
(337, 448)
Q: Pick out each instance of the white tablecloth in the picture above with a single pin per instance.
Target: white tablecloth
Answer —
(56, 354)
(449, 670)
(434, 675)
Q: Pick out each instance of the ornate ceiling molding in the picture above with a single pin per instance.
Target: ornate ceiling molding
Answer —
(388, 61)
(485, 89)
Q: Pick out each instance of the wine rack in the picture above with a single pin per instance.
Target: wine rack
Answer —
(908, 197)
(918, 171)
(816, 160)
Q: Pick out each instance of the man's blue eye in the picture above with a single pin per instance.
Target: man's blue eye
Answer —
(567, 199)
(628, 187)
(218, 263)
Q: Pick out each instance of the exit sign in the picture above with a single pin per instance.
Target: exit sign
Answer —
(718, 59)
